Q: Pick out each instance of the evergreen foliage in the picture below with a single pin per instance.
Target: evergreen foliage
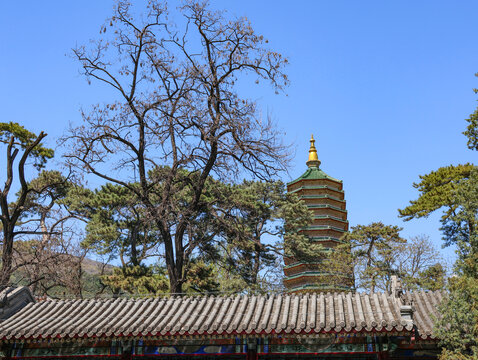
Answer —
(117, 225)
(17, 140)
(257, 216)
(137, 280)
(471, 131)
(237, 239)
(455, 190)
(373, 248)
(458, 327)
(22, 139)
(373, 253)
(432, 278)
(436, 191)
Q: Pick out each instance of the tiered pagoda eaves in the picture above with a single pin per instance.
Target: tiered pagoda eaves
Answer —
(324, 196)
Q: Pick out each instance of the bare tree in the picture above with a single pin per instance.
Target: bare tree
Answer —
(418, 261)
(377, 252)
(46, 253)
(51, 265)
(178, 109)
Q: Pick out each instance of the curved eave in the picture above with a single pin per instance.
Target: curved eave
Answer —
(322, 227)
(307, 330)
(326, 206)
(314, 173)
(325, 217)
(302, 197)
(315, 274)
(319, 239)
(326, 239)
(310, 287)
(316, 187)
(291, 266)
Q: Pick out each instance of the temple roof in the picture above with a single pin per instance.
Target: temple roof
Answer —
(13, 300)
(223, 316)
(313, 172)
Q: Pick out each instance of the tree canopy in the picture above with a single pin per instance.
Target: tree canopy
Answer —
(436, 191)
(373, 253)
(471, 131)
(178, 109)
(237, 239)
(455, 190)
(16, 138)
(23, 139)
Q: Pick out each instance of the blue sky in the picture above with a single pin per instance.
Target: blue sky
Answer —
(384, 86)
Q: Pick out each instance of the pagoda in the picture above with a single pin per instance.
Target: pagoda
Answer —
(324, 196)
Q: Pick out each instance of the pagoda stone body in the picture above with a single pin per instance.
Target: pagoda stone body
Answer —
(324, 196)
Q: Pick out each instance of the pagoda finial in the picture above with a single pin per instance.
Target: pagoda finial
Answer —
(313, 158)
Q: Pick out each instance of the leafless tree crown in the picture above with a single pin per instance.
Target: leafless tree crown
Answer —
(178, 108)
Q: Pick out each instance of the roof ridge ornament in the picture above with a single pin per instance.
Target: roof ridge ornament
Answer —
(313, 158)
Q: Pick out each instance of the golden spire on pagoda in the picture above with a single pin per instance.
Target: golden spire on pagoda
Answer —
(313, 158)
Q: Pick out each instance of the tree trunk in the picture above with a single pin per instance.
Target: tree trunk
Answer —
(134, 252)
(6, 270)
(40, 257)
(176, 286)
(175, 283)
(257, 262)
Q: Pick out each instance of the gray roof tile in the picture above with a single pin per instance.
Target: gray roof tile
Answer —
(310, 313)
